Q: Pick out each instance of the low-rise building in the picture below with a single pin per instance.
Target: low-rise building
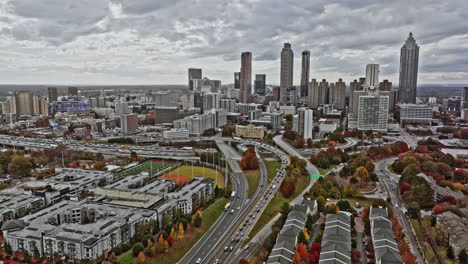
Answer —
(336, 240)
(250, 131)
(16, 206)
(454, 230)
(79, 230)
(385, 245)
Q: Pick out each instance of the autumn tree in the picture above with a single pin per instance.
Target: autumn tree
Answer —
(141, 258)
(249, 159)
(362, 174)
(302, 251)
(355, 256)
(20, 167)
(181, 231)
(314, 253)
(99, 165)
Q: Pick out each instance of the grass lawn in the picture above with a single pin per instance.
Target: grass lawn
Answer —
(253, 177)
(182, 246)
(275, 204)
(272, 167)
(363, 201)
(325, 171)
(187, 171)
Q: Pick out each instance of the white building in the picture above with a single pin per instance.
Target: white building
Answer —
(373, 112)
(308, 123)
(176, 133)
(415, 113)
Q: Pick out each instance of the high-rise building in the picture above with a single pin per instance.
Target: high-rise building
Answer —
(356, 89)
(305, 122)
(338, 94)
(52, 94)
(372, 76)
(393, 93)
(314, 94)
(129, 123)
(210, 101)
(372, 104)
(323, 92)
(72, 91)
(121, 108)
(415, 113)
(237, 80)
(465, 98)
(409, 59)
(193, 74)
(305, 73)
(24, 102)
(286, 75)
(246, 77)
(260, 84)
(373, 112)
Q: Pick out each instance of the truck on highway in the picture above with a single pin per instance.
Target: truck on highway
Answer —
(236, 138)
(233, 194)
(227, 206)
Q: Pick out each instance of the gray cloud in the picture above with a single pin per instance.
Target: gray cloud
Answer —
(141, 40)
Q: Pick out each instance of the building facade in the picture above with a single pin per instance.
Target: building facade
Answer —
(305, 71)
(193, 74)
(260, 84)
(409, 60)
(286, 72)
(246, 77)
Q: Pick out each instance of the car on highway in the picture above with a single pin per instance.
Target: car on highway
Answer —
(198, 260)
(226, 248)
(232, 211)
(231, 248)
(216, 261)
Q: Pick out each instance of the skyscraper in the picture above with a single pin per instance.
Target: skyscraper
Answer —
(465, 98)
(52, 94)
(246, 77)
(339, 94)
(409, 59)
(313, 94)
(24, 102)
(305, 73)
(237, 80)
(286, 75)
(260, 84)
(372, 76)
(193, 74)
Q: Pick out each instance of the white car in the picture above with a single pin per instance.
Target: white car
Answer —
(198, 260)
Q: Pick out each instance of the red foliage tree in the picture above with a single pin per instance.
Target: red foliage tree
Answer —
(437, 209)
(314, 253)
(404, 187)
(287, 188)
(355, 256)
(170, 240)
(302, 251)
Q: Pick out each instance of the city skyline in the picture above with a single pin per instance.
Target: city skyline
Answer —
(116, 42)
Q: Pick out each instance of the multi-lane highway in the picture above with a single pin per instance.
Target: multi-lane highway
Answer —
(223, 240)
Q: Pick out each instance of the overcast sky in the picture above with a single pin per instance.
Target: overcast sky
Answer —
(155, 41)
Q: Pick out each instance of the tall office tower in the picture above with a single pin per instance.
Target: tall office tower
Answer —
(339, 95)
(72, 91)
(409, 60)
(305, 73)
(353, 86)
(323, 92)
(210, 101)
(24, 102)
(372, 76)
(237, 80)
(286, 75)
(246, 77)
(193, 74)
(314, 94)
(465, 98)
(260, 84)
(52, 94)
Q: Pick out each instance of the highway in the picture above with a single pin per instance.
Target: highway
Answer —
(225, 237)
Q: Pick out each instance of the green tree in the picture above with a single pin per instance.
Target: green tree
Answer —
(301, 239)
(331, 209)
(343, 205)
(413, 210)
(323, 162)
(321, 201)
(5, 159)
(20, 167)
(137, 248)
